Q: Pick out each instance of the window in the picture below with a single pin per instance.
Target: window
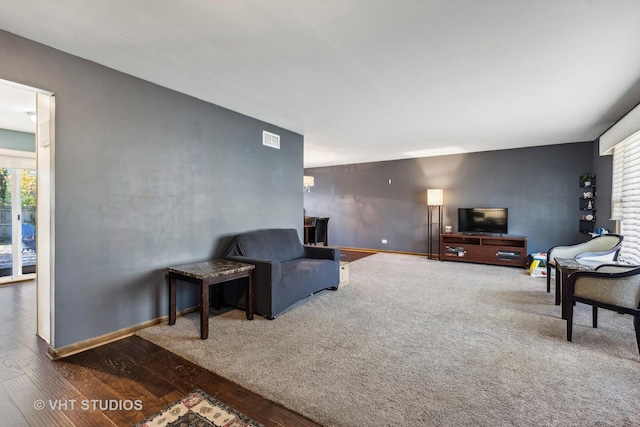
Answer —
(625, 195)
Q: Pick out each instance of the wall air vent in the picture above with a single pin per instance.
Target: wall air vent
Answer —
(270, 139)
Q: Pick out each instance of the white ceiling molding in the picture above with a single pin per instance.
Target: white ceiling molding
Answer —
(628, 125)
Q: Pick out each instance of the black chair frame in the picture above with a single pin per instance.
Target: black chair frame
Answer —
(597, 304)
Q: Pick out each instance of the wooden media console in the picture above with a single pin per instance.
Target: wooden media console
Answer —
(485, 249)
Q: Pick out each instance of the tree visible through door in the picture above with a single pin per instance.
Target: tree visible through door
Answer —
(17, 222)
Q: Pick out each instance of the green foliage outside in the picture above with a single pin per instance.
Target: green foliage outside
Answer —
(28, 187)
(5, 187)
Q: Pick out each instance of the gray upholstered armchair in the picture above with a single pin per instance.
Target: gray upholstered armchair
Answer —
(614, 287)
(599, 246)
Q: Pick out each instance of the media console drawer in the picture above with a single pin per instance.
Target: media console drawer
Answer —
(508, 255)
(454, 251)
(498, 250)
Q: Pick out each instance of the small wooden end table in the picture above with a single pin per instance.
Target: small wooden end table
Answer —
(564, 267)
(206, 274)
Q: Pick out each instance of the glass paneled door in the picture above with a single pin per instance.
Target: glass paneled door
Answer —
(17, 223)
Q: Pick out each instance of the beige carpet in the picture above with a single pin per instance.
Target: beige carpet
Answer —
(417, 342)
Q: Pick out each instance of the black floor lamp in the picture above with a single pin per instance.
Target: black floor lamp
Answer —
(435, 198)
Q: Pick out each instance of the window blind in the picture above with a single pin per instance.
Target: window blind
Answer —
(625, 195)
(616, 184)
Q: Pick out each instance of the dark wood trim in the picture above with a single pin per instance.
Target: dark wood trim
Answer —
(62, 352)
(374, 251)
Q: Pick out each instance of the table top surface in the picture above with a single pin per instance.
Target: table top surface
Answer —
(578, 264)
(212, 268)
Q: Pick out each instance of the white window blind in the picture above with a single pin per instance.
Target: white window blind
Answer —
(625, 195)
(616, 184)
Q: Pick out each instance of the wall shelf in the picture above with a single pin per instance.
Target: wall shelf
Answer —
(587, 207)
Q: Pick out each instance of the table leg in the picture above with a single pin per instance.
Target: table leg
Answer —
(566, 299)
(172, 299)
(558, 283)
(249, 302)
(204, 310)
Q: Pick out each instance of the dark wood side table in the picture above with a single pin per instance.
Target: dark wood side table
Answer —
(564, 267)
(206, 274)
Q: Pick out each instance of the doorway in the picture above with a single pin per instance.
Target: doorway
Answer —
(17, 221)
(30, 222)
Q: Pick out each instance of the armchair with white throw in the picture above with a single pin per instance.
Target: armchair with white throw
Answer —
(604, 247)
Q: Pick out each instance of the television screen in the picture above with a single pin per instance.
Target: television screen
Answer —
(482, 220)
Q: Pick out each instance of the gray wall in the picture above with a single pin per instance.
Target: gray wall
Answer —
(145, 178)
(539, 186)
(15, 140)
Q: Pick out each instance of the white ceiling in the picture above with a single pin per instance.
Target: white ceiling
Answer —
(14, 105)
(368, 80)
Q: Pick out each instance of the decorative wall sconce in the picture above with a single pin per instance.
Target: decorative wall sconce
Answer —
(435, 198)
(307, 183)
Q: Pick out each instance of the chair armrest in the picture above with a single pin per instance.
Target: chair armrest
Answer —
(268, 270)
(582, 250)
(613, 251)
(322, 252)
(565, 251)
(615, 268)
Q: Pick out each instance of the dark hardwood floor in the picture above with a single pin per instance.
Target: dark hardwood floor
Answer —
(352, 255)
(118, 373)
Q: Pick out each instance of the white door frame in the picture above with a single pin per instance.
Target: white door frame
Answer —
(45, 243)
(45, 230)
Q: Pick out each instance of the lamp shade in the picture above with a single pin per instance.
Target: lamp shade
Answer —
(435, 197)
(308, 181)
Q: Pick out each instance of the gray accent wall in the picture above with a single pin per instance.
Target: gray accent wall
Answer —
(539, 186)
(145, 178)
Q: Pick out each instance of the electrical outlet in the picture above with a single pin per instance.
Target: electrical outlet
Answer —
(384, 241)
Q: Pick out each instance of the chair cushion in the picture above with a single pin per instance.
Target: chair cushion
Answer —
(272, 244)
(621, 291)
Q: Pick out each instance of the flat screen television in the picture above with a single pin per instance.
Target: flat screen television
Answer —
(482, 220)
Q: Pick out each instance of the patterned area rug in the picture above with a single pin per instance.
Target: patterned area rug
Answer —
(198, 409)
